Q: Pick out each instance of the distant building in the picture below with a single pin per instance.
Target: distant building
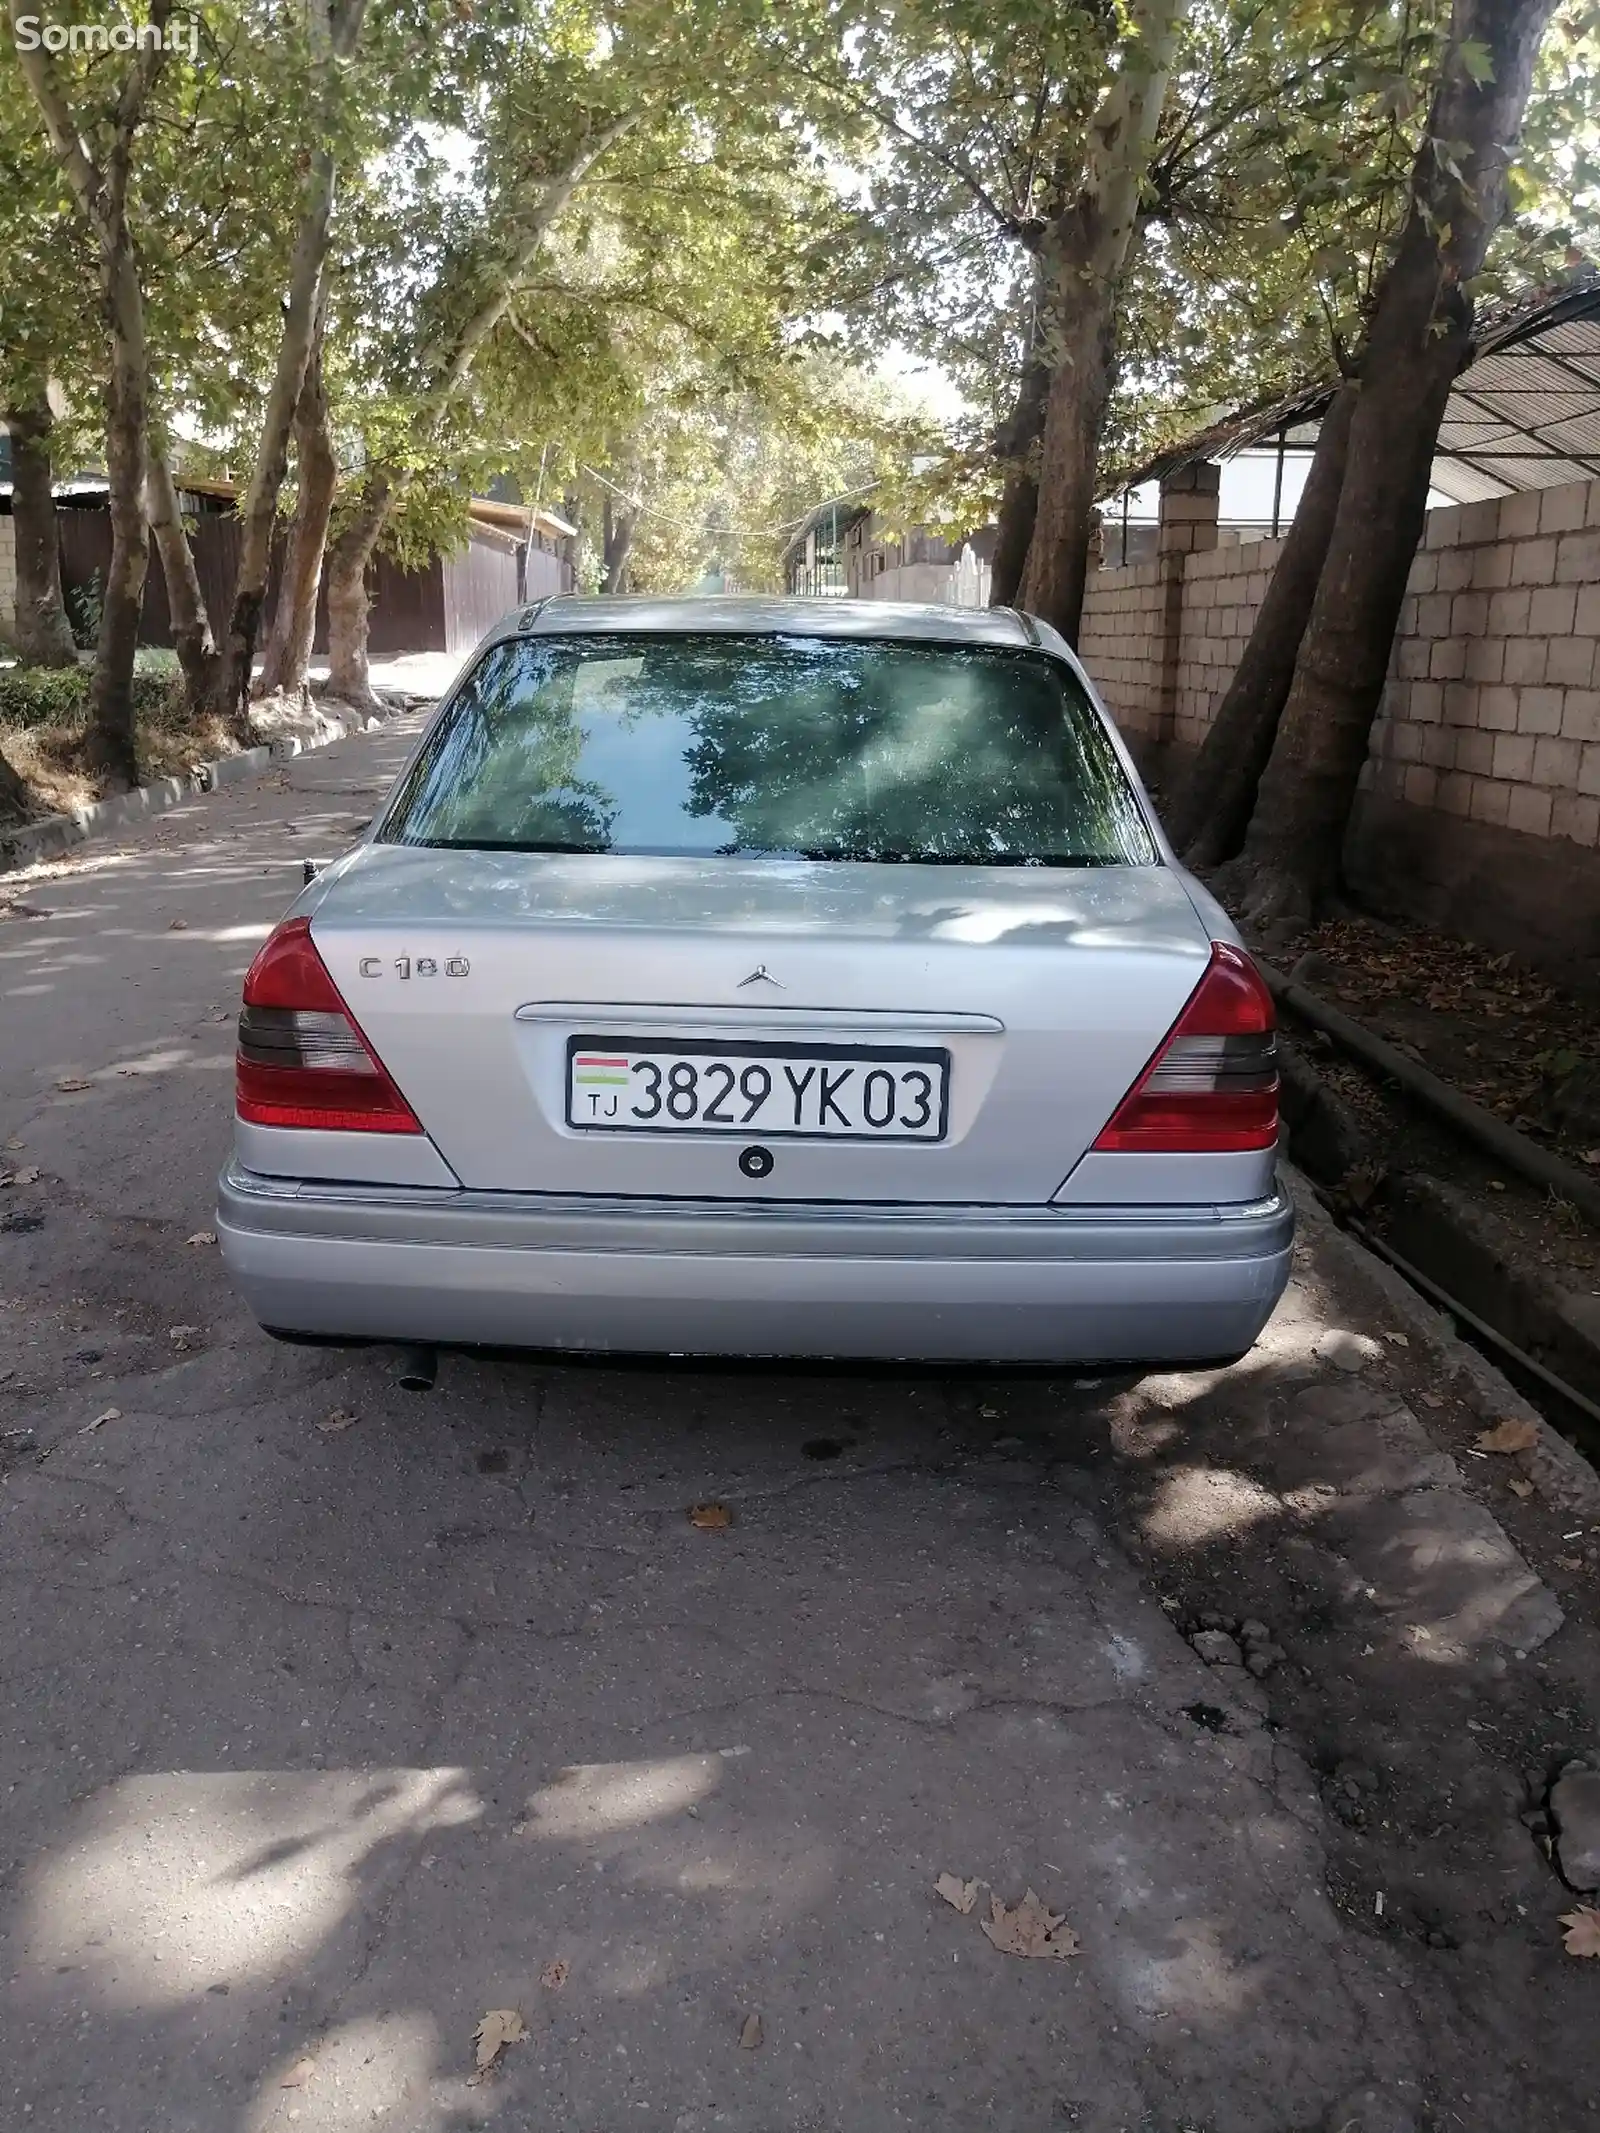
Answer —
(844, 551)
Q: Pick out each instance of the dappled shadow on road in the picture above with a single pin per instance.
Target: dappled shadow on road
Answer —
(1424, 1668)
(131, 938)
(376, 1723)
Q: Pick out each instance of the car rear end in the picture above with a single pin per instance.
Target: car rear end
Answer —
(724, 980)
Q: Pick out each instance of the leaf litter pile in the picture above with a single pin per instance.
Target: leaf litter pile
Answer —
(1508, 1038)
(1504, 1036)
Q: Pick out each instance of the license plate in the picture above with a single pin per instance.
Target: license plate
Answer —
(850, 1092)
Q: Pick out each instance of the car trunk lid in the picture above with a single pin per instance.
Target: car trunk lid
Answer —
(473, 972)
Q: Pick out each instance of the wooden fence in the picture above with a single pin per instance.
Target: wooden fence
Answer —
(444, 607)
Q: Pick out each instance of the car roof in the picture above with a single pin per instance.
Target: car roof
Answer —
(751, 615)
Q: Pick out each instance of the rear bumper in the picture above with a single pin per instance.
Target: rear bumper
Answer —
(1038, 1285)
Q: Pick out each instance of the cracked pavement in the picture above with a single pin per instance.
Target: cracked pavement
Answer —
(321, 1742)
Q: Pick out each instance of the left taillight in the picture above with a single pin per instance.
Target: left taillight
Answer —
(302, 1059)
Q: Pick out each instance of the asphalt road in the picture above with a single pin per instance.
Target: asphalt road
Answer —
(336, 1717)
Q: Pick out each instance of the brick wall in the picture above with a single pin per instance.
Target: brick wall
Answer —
(1481, 797)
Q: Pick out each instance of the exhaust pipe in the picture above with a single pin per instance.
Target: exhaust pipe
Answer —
(417, 1369)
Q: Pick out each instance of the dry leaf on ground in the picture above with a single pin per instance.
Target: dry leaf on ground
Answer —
(14, 1144)
(554, 1974)
(960, 1895)
(26, 1177)
(750, 2033)
(299, 2074)
(1430, 1399)
(71, 1083)
(710, 1517)
(1583, 1931)
(500, 2026)
(1508, 1436)
(1519, 1487)
(202, 1236)
(1031, 1929)
(340, 1418)
(177, 925)
(112, 1414)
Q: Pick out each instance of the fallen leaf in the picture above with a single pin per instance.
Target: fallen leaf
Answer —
(554, 1973)
(13, 1145)
(299, 2074)
(1519, 1487)
(1399, 1339)
(1031, 1929)
(1583, 1930)
(340, 1418)
(750, 2034)
(1569, 1562)
(1509, 1436)
(71, 1083)
(710, 1517)
(26, 1177)
(1430, 1399)
(500, 2026)
(202, 1236)
(180, 1336)
(112, 1414)
(177, 925)
(960, 1895)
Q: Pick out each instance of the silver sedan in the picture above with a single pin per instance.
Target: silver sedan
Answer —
(762, 977)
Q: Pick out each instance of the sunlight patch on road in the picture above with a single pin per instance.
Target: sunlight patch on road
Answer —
(1196, 1504)
(355, 2075)
(595, 1799)
(174, 1882)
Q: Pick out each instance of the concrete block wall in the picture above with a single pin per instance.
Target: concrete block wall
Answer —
(1480, 808)
(1121, 641)
(1492, 709)
(1222, 594)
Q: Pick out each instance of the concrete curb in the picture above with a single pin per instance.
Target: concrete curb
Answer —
(32, 842)
(1564, 1477)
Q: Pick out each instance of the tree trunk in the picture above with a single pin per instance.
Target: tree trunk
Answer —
(16, 802)
(1019, 502)
(294, 622)
(617, 533)
(43, 633)
(1083, 259)
(1069, 461)
(335, 31)
(110, 746)
(1420, 338)
(186, 604)
(1208, 821)
(101, 193)
(348, 557)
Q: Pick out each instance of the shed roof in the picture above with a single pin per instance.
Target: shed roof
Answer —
(1524, 414)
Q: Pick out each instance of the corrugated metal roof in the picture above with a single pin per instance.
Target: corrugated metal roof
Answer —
(1524, 414)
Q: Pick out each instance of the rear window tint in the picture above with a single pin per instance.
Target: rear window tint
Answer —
(797, 747)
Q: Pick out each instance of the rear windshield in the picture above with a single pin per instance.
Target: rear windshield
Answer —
(793, 747)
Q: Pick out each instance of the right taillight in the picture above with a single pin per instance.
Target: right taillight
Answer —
(1213, 1084)
(302, 1061)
